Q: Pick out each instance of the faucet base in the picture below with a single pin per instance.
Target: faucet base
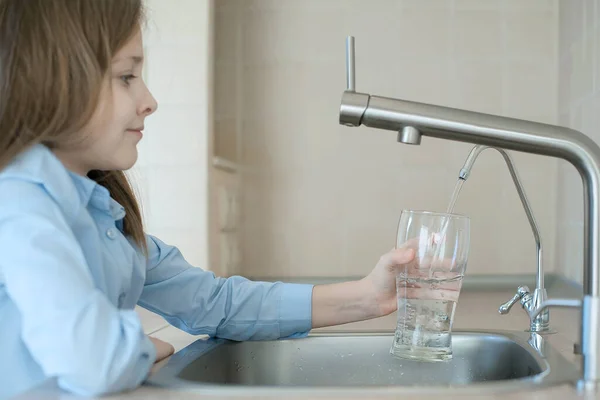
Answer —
(541, 323)
(547, 331)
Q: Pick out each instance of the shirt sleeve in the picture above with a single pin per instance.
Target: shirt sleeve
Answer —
(69, 326)
(234, 308)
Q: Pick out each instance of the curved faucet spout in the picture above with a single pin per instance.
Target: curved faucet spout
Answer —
(541, 323)
(466, 171)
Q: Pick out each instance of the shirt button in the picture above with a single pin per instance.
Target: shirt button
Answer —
(111, 233)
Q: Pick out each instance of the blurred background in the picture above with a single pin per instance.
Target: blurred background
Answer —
(246, 169)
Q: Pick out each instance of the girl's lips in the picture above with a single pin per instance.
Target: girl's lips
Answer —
(136, 132)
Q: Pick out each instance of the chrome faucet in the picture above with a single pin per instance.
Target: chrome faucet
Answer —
(529, 301)
(414, 120)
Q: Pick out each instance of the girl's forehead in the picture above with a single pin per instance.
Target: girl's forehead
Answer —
(134, 48)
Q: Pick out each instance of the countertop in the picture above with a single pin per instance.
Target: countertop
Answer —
(477, 309)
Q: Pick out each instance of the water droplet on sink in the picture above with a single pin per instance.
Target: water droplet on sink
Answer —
(372, 354)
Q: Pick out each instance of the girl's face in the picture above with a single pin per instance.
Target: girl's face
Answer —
(109, 140)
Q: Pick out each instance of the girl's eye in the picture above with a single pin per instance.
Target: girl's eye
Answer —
(127, 78)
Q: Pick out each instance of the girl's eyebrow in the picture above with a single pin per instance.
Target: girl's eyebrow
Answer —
(136, 59)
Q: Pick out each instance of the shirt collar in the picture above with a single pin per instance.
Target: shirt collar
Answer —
(70, 190)
(97, 196)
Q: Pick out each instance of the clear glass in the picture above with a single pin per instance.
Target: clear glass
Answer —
(428, 287)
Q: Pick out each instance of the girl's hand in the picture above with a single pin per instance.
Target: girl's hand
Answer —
(163, 349)
(381, 282)
(370, 297)
(386, 289)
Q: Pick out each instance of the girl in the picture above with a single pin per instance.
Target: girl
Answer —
(75, 258)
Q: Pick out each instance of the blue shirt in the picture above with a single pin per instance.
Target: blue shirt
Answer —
(69, 282)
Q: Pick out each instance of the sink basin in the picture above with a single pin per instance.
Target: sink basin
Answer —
(361, 361)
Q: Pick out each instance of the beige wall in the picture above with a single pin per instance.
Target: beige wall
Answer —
(579, 106)
(319, 199)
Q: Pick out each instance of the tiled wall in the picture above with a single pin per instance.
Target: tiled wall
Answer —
(319, 199)
(172, 172)
(579, 108)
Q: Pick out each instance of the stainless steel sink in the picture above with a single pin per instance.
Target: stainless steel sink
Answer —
(361, 361)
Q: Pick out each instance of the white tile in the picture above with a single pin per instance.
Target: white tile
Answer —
(186, 19)
(593, 110)
(178, 196)
(540, 28)
(477, 34)
(575, 117)
(419, 80)
(430, 4)
(178, 74)
(596, 60)
(192, 242)
(281, 148)
(581, 82)
(589, 14)
(175, 135)
(520, 6)
(564, 83)
(228, 35)
(267, 37)
(571, 259)
(226, 139)
(477, 85)
(230, 5)
(228, 88)
(386, 36)
(589, 118)
(571, 22)
(478, 5)
(571, 186)
(412, 40)
(530, 91)
(274, 93)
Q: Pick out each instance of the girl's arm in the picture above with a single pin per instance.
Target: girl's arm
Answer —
(371, 297)
(235, 308)
(69, 326)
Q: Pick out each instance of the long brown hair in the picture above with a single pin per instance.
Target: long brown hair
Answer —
(54, 57)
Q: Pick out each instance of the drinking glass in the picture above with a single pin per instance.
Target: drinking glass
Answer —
(429, 286)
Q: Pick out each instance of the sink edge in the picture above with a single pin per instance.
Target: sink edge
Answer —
(558, 371)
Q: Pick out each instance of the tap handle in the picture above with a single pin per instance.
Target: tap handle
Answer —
(522, 291)
(350, 69)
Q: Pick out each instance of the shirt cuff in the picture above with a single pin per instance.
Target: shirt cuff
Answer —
(146, 352)
(295, 310)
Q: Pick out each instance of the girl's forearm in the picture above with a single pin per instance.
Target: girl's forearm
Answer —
(341, 303)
